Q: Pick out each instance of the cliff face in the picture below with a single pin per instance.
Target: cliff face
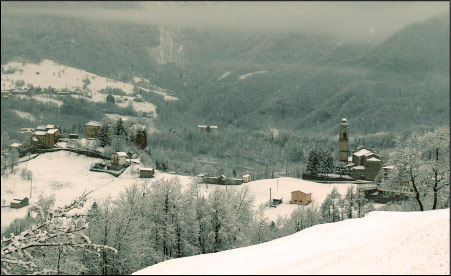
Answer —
(168, 50)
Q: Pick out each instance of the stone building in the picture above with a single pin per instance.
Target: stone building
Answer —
(92, 129)
(365, 164)
(118, 159)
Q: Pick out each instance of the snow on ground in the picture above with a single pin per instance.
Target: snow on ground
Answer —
(43, 99)
(380, 243)
(166, 96)
(282, 188)
(224, 75)
(140, 106)
(24, 115)
(65, 77)
(242, 77)
(48, 73)
(67, 175)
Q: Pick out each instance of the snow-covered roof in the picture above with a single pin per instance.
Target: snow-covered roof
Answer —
(389, 167)
(121, 153)
(359, 168)
(146, 169)
(369, 153)
(39, 132)
(204, 126)
(40, 127)
(52, 131)
(361, 152)
(34, 139)
(49, 126)
(93, 123)
(16, 145)
(373, 159)
(302, 192)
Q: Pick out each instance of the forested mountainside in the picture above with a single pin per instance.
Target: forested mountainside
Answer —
(301, 81)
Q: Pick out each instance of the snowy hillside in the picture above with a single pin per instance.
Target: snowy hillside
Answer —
(48, 73)
(380, 243)
(67, 175)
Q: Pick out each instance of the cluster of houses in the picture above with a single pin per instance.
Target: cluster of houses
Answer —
(364, 164)
(223, 180)
(47, 136)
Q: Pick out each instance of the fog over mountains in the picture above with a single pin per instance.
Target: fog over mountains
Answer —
(322, 61)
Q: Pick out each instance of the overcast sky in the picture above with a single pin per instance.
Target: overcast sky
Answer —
(348, 20)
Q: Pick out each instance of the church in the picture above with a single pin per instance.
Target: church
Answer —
(364, 163)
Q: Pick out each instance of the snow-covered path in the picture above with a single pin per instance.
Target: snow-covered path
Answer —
(380, 243)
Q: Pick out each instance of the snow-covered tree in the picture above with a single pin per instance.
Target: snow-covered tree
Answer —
(104, 135)
(330, 207)
(62, 228)
(422, 162)
(341, 168)
(313, 162)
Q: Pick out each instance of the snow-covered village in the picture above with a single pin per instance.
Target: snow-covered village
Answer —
(142, 138)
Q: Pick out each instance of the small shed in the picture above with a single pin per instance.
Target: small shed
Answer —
(246, 178)
(276, 201)
(73, 136)
(118, 158)
(300, 198)
(19, 203)
(146, 172)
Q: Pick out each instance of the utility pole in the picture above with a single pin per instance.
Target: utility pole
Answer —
(31, 185)
(269, 197)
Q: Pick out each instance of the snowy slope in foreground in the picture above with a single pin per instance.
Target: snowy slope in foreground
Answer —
(380, 243)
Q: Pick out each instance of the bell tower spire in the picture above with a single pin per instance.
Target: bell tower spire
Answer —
(343, 141)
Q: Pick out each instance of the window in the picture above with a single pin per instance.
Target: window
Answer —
(344, 135)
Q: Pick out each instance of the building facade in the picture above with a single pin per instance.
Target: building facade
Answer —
(146, 172)
(92, 129)
(118, 158)
(300, 198)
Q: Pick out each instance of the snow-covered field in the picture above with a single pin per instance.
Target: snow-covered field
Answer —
(48, 73)
(245, 76)
(67, 175)
(24, 115)
(44, 99)
(380, 243)
(282, 188)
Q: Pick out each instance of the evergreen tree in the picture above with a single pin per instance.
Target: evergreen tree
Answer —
(313, 163)
(341, 168)
(110, 99)
(119, 129)
(104, 135)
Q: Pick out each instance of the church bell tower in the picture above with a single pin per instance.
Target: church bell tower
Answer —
(343, 141)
